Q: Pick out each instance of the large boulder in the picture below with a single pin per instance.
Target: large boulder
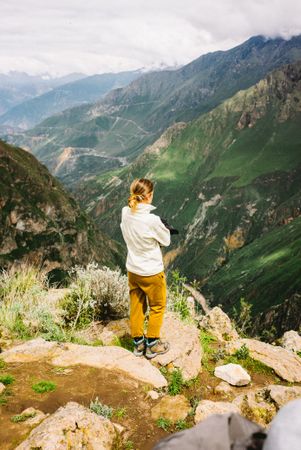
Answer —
(185, 349)
(206, 408)
(291, 341)
(285, 363)
(219, 325)
(173, 408)
(233, 373)
(68, 354)
(283, 394)
(72, 426)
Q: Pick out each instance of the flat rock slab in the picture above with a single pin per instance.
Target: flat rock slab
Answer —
(185, 349)
(72, 426)
(284, 394)
(233, 373)
(68, 354)
(285, 363)
(206, 408)
(173, 408)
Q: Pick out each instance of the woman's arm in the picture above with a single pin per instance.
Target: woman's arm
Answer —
(160, 232)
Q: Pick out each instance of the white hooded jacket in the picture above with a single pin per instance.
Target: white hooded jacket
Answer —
(143, 234)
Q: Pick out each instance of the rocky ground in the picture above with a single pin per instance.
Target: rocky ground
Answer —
(59, 395)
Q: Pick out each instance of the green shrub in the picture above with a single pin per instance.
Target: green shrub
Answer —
(7, 379)
(44, 386)
(242, 352)
(176, 382)
(102, 410)
(177, 295)
(164, 423)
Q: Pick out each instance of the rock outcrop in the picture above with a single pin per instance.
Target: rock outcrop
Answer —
(72, 426)
(68, 354)
(284, 362)
(291, 340)
(219, 325)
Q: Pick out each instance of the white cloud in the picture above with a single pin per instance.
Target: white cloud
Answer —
(64, 36)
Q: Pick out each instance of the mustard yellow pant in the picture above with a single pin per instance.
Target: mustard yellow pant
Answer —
(154, 288)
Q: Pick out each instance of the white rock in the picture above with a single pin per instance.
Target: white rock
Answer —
(291, 341)
(2, 388)
(206, 408)
(233, 373)
(185, 349)
(72, 426)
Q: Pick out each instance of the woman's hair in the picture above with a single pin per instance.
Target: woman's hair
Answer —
(139, 188)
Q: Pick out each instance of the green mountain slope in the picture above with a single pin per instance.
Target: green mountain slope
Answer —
(40, 223)
(87, 90)
(225, 180)
(129, 119)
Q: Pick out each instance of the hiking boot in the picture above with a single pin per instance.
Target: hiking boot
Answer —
(156, 348)
(139, 347)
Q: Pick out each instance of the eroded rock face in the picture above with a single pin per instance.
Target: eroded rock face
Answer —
(41, 224)
(284, 362)
(67, 354)
(173, 408)
(206, 408)
(233, 373)
(72, 426)
(185, 350)
(291, 340)
(219, 325)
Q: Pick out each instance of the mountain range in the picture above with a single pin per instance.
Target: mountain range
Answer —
(85, 90)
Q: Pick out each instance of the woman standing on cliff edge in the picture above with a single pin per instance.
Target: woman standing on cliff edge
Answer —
(143, 234)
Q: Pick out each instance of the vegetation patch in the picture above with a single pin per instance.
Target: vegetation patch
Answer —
(99, 408)
(22, 417)
(44, 386)
(7, 379)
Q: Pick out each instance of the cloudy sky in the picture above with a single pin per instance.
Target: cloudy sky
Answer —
(95, 36)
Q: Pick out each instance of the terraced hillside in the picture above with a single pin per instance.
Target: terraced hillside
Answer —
(129, 119)
(230, 181)
(40, 223)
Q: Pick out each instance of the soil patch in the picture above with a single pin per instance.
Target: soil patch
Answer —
(80, 384)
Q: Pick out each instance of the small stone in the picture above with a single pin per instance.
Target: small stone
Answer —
(153, 395)
(206, 408)
(233, 373)
(173, 408)
(2, 387)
